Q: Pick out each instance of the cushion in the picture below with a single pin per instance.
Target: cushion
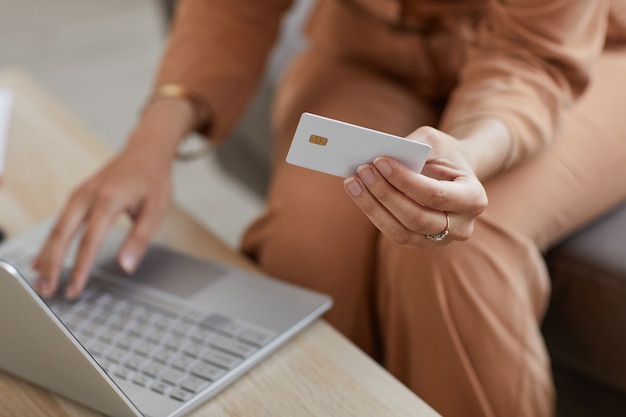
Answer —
(585, 326)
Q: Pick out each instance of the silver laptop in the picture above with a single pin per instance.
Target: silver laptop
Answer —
(157, 343)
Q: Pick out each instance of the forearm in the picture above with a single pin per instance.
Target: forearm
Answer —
(525, 68)
(217, 50)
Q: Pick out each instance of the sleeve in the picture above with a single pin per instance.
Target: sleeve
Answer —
(217, 49)
(531, 59)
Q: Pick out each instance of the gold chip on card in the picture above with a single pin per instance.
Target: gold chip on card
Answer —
(318, 140)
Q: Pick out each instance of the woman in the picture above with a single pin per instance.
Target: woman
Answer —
(438, 275)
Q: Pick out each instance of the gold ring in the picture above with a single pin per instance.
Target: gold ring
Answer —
(441, 235)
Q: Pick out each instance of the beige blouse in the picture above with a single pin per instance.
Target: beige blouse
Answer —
(521, 61)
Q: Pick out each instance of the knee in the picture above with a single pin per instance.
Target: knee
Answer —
(304, 246)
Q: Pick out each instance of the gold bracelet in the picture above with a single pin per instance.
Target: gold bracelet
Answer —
(191, 148)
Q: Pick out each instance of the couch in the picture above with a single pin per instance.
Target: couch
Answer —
(585, 326)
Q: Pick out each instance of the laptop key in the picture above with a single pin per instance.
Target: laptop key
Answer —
(181, 395)
(191, 316)
(164, 322)
(195, 349)
(195, 384)
(109, 335)
(139, 329)
(234, 347)
(123, 373)
(146, 348)
(182, 328)
(208, 371)
(142, 380)
(92, 329)
(146, 317)
(222, 359)
(127, 342)
(117, 355)
(176, 343)
(83, 314)
(154, 369)
(102, 299)
(255, 337)
(161, 387)
(183, 362)
(215, 320)
(222, 324)
(230, 329)
(156, 335)
(202, 335)
(174, 376)
(164, 355)
(135, 363)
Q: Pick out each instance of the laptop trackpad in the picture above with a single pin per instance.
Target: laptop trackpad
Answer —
(169, 271)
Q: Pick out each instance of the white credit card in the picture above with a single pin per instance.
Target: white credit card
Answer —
(339, 148)
(6, 105)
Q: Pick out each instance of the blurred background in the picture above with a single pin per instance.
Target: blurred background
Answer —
(99, 59)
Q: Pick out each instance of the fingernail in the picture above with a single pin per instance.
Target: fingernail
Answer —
(42, 288)
(71, 292)
(352, 186)
(383, 166)
(128, 261)
(366, 173)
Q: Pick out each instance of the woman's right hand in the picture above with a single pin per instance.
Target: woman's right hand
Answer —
(136, 182)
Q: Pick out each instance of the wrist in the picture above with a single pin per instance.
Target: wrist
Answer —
(486, 143)
(185, 111)
(201, 112)
(162, 127)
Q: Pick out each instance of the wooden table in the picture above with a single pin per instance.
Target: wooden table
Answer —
(319, 373)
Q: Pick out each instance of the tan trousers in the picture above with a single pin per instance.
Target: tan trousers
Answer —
(459, 326)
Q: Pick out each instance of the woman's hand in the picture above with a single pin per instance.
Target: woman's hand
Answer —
(128, 184)
(137, 182)
(406, 206)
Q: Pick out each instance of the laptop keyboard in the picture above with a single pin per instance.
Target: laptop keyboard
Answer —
(175, 352)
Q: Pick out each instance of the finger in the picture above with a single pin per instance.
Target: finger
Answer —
(411, 215)
(49, 261)
(380, 216)
(463, 194)
(97, 228)
(139, 237)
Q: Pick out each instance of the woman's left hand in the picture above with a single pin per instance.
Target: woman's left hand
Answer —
(425, 210)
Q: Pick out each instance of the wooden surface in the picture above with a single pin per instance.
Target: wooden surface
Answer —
(319, 373)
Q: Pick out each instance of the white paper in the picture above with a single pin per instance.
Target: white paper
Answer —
(6, 105)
